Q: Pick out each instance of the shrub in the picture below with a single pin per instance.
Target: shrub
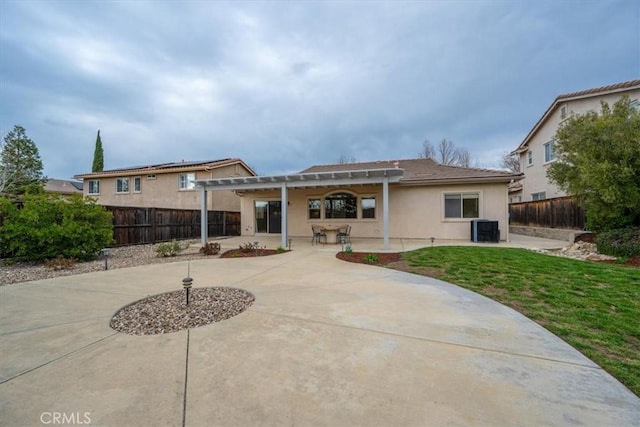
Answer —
(168, 249)
(624, 242)
(49, 225)
(247, 247)
(210, 248)
(371, 258)
(280, 249)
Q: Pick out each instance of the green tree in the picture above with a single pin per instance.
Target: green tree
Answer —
(50, 225)
(20, 164)
(98, 156)
(599, 163)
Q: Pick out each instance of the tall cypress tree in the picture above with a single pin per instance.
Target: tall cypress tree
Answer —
(98, 156)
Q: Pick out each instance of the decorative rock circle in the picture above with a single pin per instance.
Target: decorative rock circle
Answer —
(168, 312)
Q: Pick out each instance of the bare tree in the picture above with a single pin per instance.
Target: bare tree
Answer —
(510, 162)
(463, 158)
(343, 159)
(447, 152)
(428, 152)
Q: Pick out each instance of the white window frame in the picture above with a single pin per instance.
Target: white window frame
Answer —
(185, 181)
(375, 206)
(137, 184)
(540, 195)
(564, 112)
(122, 182)
(550, 154)
(529, 158)
(461, 218)
(319, 208)
(96, 183)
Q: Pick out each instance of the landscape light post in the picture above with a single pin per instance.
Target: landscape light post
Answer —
(105, 255)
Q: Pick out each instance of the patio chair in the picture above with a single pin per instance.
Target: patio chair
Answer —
(344, 234)
(318, 234)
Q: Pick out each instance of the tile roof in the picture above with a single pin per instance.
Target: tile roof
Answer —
(165, 168)
(600, 90)
(423, 171)
(587, 93)
(62, 186)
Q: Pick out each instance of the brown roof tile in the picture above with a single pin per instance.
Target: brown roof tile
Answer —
(423, 171)
(600, 90)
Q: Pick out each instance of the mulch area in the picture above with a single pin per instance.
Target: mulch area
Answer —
(371, 258)
(237, 253)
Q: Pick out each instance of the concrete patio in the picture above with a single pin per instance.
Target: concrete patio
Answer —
(325, 343)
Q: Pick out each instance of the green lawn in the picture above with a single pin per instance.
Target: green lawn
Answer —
(594, 307)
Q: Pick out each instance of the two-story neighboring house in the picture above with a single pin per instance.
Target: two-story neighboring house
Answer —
(167, 185)
(537, 150)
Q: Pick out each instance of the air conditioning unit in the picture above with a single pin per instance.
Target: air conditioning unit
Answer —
(484, 230)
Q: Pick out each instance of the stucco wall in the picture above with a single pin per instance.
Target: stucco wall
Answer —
(414, 211)
(164, 192)
(536, 174)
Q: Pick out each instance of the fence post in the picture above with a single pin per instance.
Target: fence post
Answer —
(154, 238)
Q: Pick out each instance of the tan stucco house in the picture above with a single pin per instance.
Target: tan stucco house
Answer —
(414, 198)
(167, 185)
(537, 149)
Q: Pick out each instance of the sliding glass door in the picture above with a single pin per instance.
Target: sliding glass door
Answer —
(268, 216)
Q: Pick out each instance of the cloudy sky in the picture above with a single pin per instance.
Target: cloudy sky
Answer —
(285, 85)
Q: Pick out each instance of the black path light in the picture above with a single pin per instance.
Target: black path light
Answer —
(289, 244)
(187, 281)
(105, 255)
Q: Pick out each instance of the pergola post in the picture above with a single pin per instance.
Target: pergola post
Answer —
(385, 211)
(204, 223)
(284, 209)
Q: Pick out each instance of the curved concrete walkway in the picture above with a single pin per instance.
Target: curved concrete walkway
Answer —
(326, 343)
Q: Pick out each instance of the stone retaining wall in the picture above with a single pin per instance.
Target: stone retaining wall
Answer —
(547, 233)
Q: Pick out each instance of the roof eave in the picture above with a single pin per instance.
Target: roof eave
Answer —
(155, 170)
(464, 180)
(565, 98)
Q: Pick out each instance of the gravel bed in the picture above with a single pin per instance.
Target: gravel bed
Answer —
(168, 312)
(121, 257)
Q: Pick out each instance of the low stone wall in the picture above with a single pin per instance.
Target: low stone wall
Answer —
(547, 233)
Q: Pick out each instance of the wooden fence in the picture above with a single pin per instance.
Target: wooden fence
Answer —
(132, 226)
(561, 212)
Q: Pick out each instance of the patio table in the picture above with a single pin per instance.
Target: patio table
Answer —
(332, 233)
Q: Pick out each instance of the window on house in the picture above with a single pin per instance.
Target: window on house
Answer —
(186, 181)
(137, 184)
(94, 186)
(462, 205)
(634, 104)
(314, 208)
(122, 185)
(368, 207)
(539, 196)
(340, 205)
(549, 151)
(529, 158)
(563, 112)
